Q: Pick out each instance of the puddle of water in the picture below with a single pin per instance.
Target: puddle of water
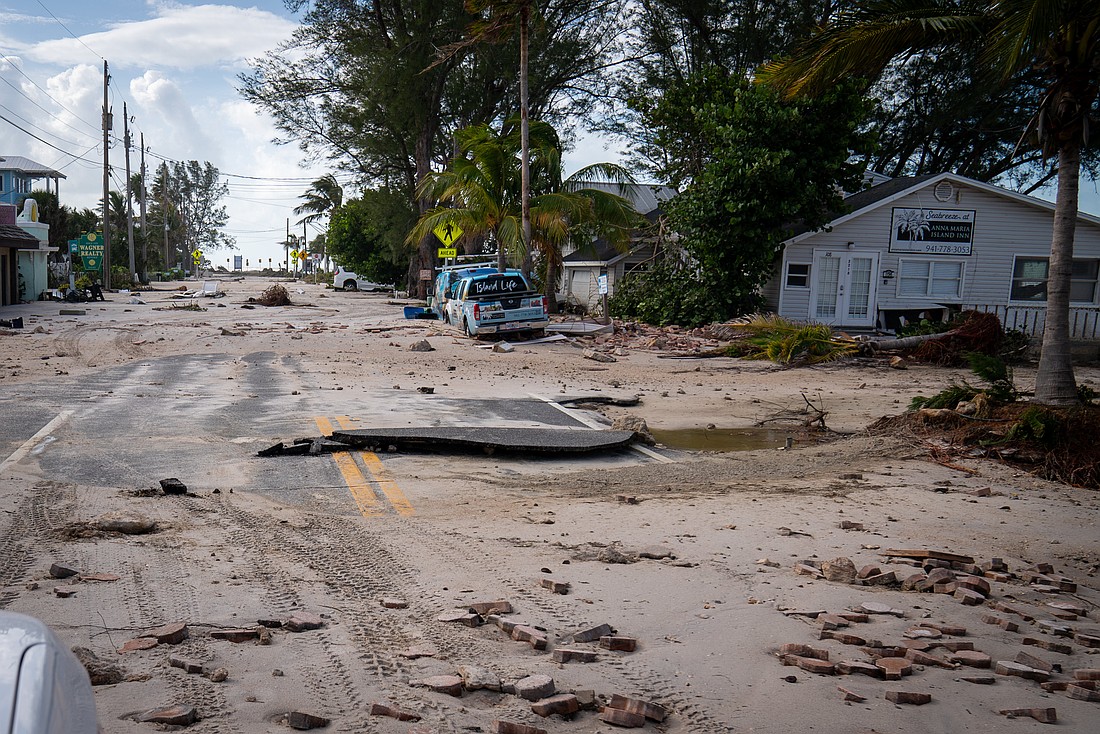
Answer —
(721, 439)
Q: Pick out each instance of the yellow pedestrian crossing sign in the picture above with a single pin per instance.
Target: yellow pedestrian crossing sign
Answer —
(448, 233)
(447, 252)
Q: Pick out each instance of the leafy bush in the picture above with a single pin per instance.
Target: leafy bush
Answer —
(1036, 424)
(786, 342)
(992, 370)
(670, 292)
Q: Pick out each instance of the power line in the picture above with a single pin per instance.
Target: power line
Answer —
(94, 53)
(5, 57)
(45, 142)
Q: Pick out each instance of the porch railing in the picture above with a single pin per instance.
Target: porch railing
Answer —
(1084, 321)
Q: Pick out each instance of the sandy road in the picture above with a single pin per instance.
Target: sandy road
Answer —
(336, 535)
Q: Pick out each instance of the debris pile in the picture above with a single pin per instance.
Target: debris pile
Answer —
(275, 295)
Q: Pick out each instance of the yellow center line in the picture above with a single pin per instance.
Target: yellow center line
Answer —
(385, 482)
(358, 485)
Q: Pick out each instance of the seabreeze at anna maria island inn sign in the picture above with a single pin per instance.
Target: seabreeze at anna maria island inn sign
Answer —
(932, 231)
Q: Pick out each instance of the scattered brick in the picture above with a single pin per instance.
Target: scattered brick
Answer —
(856, 617)
(1033, 662)
(849, 525)
(874, 607)
(910, 583)
(810, 665)
(948, 629)
(105, 577)
(381, 709)
(858, 667)
(535, 687)
(975, 583)
(511, 727)
(971, 658)
(981, 680)
(945, 587)
(461, 616)
(805, 651)
(218, 675)
(61, 570)
(627, 499)
(922, 658)
(1089, 674)
(170, 634)
(302, 720)
(1057, 647)
(270, 623)
(648, 709)
(1063, 615)
(302, 621)
(909, 697)
(236, 635)
(804, 569)
(923, 633)
(1046, 588)
(562, 704)
(506, 625)
(62, 593)
(922, 645)
(956, 645)
(968, 568)
(586, 697)
(842, 637)
(187, 666)
(1086, 640)
(894, 668)
(485, 608)
(881, 579)
(850, 695)
(558, 587)
(1055, 628)
(998, 576)
(394, 603)
(181, 715)
(419, 651)
(1082, 693)
(1053, 686)
(448, 684)
(618, 643)
(1000, 606)
(621, 717)
(1068, 606)
(995, 564)
(594, 633)
(869, 570)
(1043, 716)
(832, 621)
(940, 575)
(140, 643)
(1005, 667)
(1042, 568)
(523, 633)
(968, 597)
(570, 655)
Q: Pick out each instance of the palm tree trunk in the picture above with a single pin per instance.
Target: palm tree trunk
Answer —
(1054, 382)
(524, 140)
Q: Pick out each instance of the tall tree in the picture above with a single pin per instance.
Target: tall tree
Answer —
(193, 192)
(359, 83)
(481, 192)
(367, 234)
(1060, 38)
(323, 195)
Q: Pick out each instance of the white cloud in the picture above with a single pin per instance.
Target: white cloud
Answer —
(180, 37)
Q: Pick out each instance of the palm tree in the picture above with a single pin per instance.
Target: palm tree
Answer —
(481, 193)
(1060, 38)
(322, 196)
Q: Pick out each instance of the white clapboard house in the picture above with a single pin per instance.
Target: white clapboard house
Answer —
(918, 247)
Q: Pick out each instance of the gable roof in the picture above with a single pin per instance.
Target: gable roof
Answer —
(646, 198)
(886, 193)
(27, 166)
(12, 235)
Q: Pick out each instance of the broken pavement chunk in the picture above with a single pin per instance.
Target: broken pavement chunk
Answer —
(810, 665)
(621, 717)
(561, 704)
(523, 633)
(390, 603)
(170, 634)
(805, 651)
(648, 709)
(241, 634)
(511, 727)
(909, 697)
(874, 607)
(475, 678)
(381, 709)
(451, 685)
(841, 570)
(182, 715)
(850, 695)
(485, 608)
(558, 587)
(593, 633)
(139, 643)
(1057, 647)
(971, 658)
(1006, 667)
(535, 687)
(61, 570)
(1043, 716)
(302, 721)
(462, 616)
(618, 643)
(302, 621)
(567, 655)
(894, 667)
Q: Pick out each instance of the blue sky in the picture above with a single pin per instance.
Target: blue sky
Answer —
(175, 65)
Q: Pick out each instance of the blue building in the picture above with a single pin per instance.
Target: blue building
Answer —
(17, 177)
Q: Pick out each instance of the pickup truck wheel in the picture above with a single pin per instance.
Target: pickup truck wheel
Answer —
(350, 285)
(466, 327)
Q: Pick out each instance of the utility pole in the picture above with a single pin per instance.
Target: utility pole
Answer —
(305, 247)
(129, 193)
(144, 232)
(107, 126)
(288, 246)
(164, 215)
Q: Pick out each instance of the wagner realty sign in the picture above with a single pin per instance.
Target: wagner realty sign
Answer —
(932, 231)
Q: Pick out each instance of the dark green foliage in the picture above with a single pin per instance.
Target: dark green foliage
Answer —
(992, 370)
(1087, 394)
(751, 168)
(789, 342)
(922, 327)
(367, 235)
(671, 292)
(1037, 424)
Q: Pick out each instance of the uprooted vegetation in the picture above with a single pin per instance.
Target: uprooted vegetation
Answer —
(275, 295)
(787, 342)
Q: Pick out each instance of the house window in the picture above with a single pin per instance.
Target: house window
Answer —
(930, 278)
(1029, 280)
(798, 275)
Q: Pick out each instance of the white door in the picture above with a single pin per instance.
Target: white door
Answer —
(843, 292)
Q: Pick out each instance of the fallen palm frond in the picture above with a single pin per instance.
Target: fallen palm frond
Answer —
(787, 342)
(276, 295)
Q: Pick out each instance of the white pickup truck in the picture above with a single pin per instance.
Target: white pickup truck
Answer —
(496, 303)
(349, 281)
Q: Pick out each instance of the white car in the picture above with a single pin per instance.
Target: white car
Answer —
(349, 281)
